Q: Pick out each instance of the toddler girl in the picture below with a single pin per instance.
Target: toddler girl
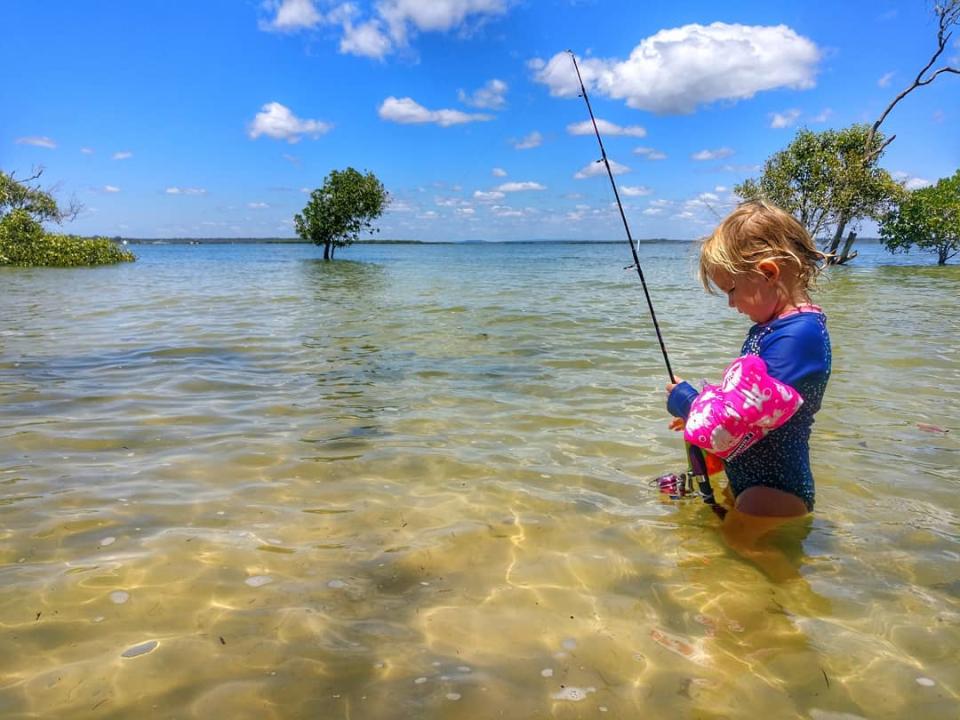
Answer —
(760, 419)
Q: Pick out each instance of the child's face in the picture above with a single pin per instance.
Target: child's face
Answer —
(755, 294)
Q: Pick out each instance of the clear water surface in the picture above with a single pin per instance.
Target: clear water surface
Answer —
(238, 482)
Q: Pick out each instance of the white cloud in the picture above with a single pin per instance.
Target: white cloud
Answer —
(885, 79)
(407, 110)
(389, 25)
(650, 153)
(678, 69)
(488, 196)
(597, 168)
(823, 116)
(717, 154)
(606, 128)
(534, 139)
(635, 190)
(278, 122)
(366, 39)
(489, 97)
(122, 155)
(86, 150)
(498, 172)
(292, 15)
(257, 205)
(37, 141)
(653, 211)
(402, 16)
(911, 182)
(519, 186)
(185, 191)
(785, 119)
(466, 211)
(111, 189)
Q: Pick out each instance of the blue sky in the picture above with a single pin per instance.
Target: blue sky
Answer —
(214, 118)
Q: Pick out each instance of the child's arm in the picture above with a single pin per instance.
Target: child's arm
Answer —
(680, 398)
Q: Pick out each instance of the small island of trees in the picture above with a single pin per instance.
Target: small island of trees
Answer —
(24, 242)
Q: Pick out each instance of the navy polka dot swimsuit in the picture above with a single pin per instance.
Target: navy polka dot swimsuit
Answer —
(796, 349)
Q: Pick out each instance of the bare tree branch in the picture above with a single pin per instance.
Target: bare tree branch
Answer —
(948, 14)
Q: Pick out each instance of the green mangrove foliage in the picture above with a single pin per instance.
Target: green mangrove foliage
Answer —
(346, 204)
(24, 242)
(821, 179)
(928, 219)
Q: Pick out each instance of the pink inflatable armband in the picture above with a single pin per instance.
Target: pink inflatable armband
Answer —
(727, 419)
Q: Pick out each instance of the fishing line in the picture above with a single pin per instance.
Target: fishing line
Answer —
(671, 484)
(623, 216)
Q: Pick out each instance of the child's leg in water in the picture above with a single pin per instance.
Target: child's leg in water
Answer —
(749, 526)
(750, 536)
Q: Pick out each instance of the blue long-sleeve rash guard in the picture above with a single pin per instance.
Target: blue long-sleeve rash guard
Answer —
(796, 349)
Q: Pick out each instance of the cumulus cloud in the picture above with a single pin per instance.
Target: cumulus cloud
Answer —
(911, 182)
(635, 190)
(650, 153)
(408, 111)
(606, 128)
(597, 168)
(498, 172)
(520, 186)
(717, 154)
(679, 69)
(111, 189)
(534, 139)
(405, 17)
(488, 196)
(37, 141)
(122, 155)
(185, 191)
(785, 119)
(390, 25)
(292, 15)
(489, 97)
(822, 116)
(366, 39)
(278, 122)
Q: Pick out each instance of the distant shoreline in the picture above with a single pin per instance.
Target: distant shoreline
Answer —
(295, 241)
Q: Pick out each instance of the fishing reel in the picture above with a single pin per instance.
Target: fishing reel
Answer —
(678, 485)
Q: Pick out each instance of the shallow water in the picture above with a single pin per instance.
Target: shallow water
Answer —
(240, 482)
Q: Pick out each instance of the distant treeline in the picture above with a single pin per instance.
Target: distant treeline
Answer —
(297, 241)
(249, 241)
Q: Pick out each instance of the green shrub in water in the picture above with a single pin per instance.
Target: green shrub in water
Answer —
(24, 243)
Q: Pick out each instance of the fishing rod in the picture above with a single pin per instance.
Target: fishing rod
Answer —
(675, 485)
(623, 216)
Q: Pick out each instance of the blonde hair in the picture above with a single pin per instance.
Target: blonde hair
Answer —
(754, 232)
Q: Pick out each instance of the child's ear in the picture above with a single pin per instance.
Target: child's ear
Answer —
(770, 270)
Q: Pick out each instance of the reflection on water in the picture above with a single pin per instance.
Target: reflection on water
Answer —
(239, 482)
